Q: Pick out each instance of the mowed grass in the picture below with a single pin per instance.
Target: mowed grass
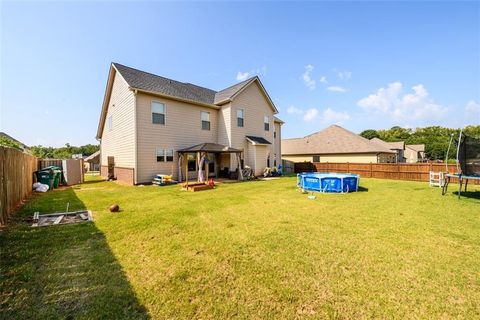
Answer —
(246, 250)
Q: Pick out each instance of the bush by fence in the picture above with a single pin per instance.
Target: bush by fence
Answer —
(16, 179)
(397, 171)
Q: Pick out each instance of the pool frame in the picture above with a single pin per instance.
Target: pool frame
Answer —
(322, 175)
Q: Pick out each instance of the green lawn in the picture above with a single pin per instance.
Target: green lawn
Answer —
(246, 250)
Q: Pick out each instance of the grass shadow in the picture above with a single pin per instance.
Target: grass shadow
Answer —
(468, 194)
(64, 271)
(362, 189)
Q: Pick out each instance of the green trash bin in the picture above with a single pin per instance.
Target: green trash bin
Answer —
(56, 179)
(45, 177)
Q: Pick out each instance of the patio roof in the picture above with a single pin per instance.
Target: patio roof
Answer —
(209, 147)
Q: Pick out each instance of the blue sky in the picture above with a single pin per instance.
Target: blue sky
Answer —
(361, 64)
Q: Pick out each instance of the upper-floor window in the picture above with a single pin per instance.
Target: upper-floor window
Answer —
(205, 120)
(164, 155)
(274, 134)
(110, 124)
(240, 117)
(158, 112)
(266, 123)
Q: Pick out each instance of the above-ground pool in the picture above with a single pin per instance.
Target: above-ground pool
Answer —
(328, 181)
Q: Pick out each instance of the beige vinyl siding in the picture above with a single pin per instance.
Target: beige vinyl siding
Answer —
(120, 141)
(277, 144)
(256, 107)
(224, 125)
(182, 129)
(298, 158)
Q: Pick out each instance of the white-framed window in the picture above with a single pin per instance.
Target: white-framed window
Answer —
(266, 123)
(205, 116)
(110, 123)
(164, 155)
(158, 112)
(240, 117)
(168, 155)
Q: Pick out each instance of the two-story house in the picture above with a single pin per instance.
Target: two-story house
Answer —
(148, 123)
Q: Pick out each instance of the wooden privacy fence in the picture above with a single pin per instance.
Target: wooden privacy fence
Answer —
(43, 163)
(16, 179)
(397, 171)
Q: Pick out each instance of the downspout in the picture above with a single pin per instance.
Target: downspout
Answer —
(135, 142)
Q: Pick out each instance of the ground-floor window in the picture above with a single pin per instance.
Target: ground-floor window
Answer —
(191, 162)
(164, 155)
(316, 159)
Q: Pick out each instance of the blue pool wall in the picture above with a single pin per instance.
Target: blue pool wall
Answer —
(331, 182)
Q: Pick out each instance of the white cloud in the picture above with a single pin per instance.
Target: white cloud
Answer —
(310, 115)
(294, 110)
(242, 76)
(343, 75)
(412, 106)
(307, 79)
(323, 80)
(333, 116)
(337, 89)
(473, 110)
(326, 116)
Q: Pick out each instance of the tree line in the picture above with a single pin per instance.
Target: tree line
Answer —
(65, 152)
(434, 138)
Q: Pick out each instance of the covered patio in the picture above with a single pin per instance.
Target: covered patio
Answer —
(201, 154)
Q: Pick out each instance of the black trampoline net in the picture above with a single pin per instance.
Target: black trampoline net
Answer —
(469, 156)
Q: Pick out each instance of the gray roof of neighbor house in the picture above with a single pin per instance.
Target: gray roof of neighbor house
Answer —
(4, 135)
(332, 140)
(416, 147)
(92, 156)
(398, 145)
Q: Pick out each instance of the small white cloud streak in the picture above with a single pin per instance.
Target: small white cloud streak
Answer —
(242, 76)
(307, 78)
(337, 89)
(310, 114)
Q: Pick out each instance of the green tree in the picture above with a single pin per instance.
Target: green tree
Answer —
(370, 134)
(4, 141)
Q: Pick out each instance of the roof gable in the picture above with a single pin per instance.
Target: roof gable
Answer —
(332, 140)
(227, 95)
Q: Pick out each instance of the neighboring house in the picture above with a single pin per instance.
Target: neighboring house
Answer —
(335, 144)
(415, 153)
(147, 119)
(397, 147)
(22, 145)
(92, 162)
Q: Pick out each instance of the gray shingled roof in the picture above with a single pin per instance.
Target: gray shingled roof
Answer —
(227, 93)
(398, 145)
(210, 147)
(149, 82)
(332, 140)
(258, 140)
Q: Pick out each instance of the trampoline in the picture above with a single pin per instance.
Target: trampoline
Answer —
(468, 162)
(328, 182)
